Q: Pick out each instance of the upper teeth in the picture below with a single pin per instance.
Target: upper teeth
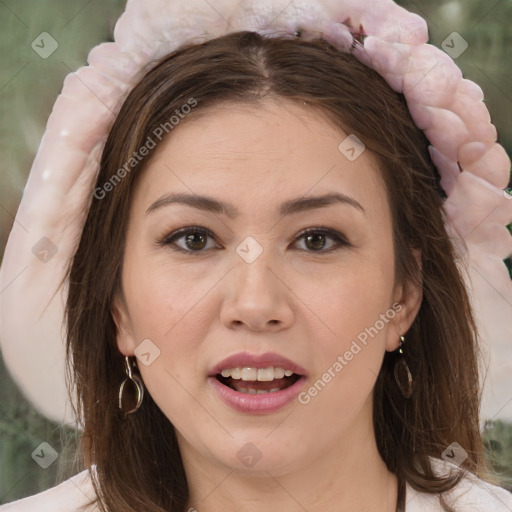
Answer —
(262, 374)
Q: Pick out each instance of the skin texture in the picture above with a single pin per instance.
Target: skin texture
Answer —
(300, 300)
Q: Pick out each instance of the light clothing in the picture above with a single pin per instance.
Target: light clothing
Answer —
(68, 496)
(471, 495)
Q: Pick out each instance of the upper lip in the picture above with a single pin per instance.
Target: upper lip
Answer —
(266, 360)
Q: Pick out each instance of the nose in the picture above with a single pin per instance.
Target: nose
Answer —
(257, 296)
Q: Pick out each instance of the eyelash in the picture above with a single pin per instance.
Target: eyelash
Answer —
(169, 239)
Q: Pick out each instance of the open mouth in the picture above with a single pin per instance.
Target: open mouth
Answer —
(256, 387)
(257, 384)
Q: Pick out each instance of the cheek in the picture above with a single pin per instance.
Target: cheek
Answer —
(346, 363)
(350, 301)
(351, 315)
(173, 314)
(163, 295)
(170, 308)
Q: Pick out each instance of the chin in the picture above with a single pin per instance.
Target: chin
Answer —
(260, 454)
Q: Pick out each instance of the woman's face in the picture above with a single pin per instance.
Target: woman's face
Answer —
(263, 236)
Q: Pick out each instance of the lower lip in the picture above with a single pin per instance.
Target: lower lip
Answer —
(263, 403)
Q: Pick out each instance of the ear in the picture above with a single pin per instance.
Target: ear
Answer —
(124, 333)
(408, 300)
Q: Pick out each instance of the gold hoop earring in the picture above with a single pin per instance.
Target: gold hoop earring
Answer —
(137, 381)
(402, 372)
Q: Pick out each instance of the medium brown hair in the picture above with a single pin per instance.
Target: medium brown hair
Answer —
(137, 458)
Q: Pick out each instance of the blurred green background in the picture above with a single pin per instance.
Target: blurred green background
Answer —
(29, 86)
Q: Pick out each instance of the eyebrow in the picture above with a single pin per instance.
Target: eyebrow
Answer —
(292, 206)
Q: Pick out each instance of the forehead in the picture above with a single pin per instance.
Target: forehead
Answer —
(251, 154)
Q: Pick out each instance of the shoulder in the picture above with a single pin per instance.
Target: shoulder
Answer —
(68, 496)
(470, 495)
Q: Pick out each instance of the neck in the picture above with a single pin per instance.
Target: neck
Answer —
(350, 476)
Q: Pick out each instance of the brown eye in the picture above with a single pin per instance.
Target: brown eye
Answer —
(196, 241)
(190, 240)
(322, 240)
(316, 241)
